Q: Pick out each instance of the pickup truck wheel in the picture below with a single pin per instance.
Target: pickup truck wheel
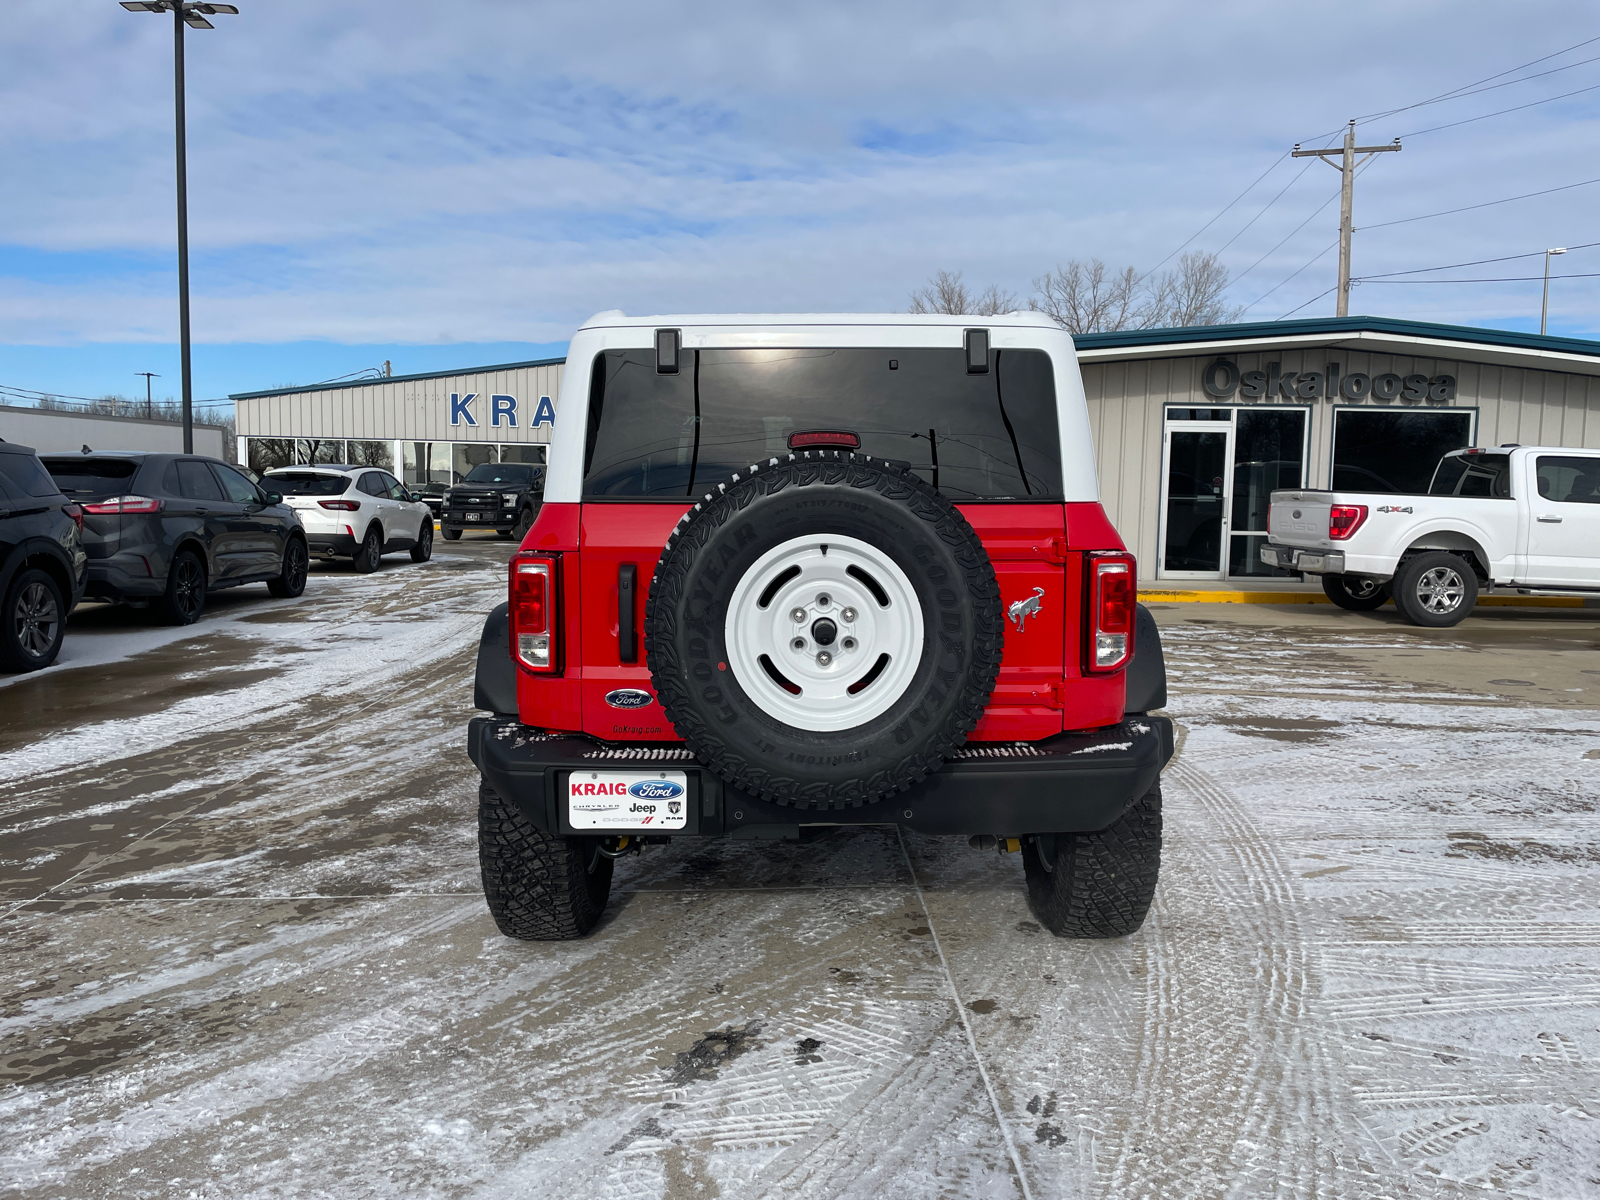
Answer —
(1097, 885)
(1436, 589)
(451, 535)
(823, 630)
(524, 523)
(1358, 593)
(539, 887)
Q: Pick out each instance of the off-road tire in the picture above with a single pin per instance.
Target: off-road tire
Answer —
(370, 553)
(1358, 593)
(540, 888)
(291, 581)
(1101, 884)
(821, 493)
(1420, 577)
(185, 597)
(451, 535)
(33, 622)
(423, 550)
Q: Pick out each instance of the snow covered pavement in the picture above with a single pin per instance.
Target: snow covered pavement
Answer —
(243, 951)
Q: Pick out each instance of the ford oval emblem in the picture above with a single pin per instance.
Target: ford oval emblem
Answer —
(655, 789)
(628, 698)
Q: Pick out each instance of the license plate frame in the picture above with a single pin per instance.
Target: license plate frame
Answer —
(471, 516)
(649, 801)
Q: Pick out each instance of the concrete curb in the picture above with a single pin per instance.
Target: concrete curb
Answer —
(1219, 596)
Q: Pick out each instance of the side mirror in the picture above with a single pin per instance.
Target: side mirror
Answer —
(274, 497)
(416, 497)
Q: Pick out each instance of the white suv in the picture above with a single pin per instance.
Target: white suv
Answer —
(361, 512)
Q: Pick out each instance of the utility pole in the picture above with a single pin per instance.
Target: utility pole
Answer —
(1347, 167)
(149, 410)
(192, 13)
(1544, 309)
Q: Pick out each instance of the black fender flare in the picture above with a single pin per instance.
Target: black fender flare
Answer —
(495, 684)
(1147, 673)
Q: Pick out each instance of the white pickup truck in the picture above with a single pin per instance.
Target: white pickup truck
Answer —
(1524, 518)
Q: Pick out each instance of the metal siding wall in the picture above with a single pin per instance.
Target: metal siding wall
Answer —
(1127, 400)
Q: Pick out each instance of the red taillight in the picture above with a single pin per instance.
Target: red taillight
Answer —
(1113, 594)
(76, 513)
(341, 505)
(124, 504)
(534, 619)
(823, 437)
(1344, 520)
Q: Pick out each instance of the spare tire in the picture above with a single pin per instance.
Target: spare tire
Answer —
(824, 629)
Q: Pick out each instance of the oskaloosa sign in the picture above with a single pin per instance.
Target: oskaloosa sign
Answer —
(1222, 379)
(502, 411)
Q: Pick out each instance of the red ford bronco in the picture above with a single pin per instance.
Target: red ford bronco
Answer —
(800, 571)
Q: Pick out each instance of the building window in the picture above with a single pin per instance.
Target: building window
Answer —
(266, 453)
(1394, 450)
(523, 454)
(466, 455)
(371, 454)
(319, 451)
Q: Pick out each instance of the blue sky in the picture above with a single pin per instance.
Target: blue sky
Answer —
(444, 185)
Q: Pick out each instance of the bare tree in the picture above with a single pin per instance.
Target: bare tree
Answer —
(946, 293)
(1085, 297)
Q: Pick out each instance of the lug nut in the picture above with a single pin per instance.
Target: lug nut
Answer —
(798, 644)
(847, 615)
(823, 600)
(849, 643)
(798, 616)
(824, 658)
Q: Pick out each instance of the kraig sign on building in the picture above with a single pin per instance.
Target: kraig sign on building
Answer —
(502, 411)
(1222, 379)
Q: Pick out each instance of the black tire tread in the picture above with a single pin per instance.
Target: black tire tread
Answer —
(536, 885)
(1405, 582)
(670, 674)
(1334, 588)
(12, 656)
(1103, 883)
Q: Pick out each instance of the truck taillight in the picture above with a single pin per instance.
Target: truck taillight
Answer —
(1344, 520)
(534, 616)
(1108, 631)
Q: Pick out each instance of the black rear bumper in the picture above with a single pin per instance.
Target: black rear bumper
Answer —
(1074, 783)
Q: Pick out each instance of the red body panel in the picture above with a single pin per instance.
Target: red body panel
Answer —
(1041, 688)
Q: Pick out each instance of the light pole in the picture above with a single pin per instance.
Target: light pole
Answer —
(148, 407)
(193, 13)
(1544, 309)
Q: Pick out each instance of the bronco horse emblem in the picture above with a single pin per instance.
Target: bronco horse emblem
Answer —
(1023, 609)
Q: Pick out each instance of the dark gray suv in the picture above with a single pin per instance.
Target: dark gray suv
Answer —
(42, 564)
(169, 528)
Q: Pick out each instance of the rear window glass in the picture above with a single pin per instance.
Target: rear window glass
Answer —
(305, 483)
(1485, 475)
(24, 475)
(974, 437)
(516, 474)
(89, 479)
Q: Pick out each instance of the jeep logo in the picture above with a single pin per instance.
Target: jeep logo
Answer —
(627, 698)
(655, 789)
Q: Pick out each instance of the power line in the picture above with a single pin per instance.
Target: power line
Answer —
(1313, 299)
(1496, 279)
(1456, 93)
(1477, 262)
(1566, 187)
(30, 395)
(1502, 112)
(1286, 279)
(1219, 215)
(1264, 208)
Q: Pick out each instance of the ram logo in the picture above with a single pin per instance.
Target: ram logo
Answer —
(656, 789)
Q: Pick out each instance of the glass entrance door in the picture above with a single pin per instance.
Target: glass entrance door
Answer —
(1219, 469)
(1195, 513)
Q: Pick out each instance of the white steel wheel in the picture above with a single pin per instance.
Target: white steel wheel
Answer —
(824, 632)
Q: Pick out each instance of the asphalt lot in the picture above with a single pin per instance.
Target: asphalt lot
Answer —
(243, 951)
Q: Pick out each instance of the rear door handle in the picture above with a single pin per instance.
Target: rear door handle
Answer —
(1548, 520)
(627, 636)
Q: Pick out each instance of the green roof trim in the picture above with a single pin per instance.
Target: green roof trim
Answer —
(349, 383)
(1322, 326)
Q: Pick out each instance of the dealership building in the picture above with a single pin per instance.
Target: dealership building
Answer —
(1193, 428)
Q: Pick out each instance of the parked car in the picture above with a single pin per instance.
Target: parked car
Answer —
(360, 513)
(504, 497)
(1524, 518)
(432, 494)
(42, 563)
(168, 529)
(843, 571)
